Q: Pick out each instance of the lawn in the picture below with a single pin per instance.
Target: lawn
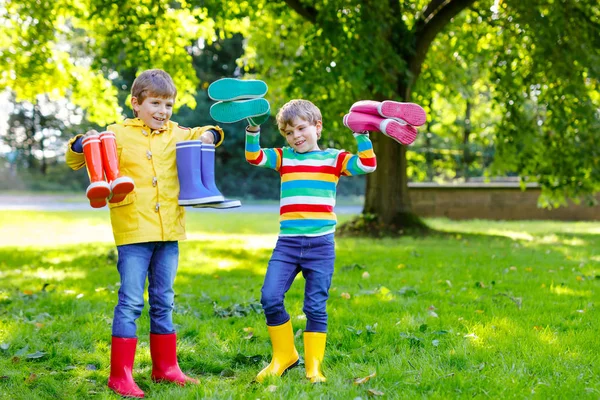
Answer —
(484, 309)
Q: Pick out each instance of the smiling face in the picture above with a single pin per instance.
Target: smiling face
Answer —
(154, 111)
(303, 136)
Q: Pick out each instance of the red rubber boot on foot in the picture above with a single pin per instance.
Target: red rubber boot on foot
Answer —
(122, 353)
(163, 350)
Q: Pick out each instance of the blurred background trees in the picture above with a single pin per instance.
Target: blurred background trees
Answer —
(510, 87)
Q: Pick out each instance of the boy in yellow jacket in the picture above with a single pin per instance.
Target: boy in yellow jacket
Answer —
(147, 222)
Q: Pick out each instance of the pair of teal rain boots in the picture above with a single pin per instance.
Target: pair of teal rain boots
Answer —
(238, 100)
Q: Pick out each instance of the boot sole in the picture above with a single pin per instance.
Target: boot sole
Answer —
(228, 89)
(409, 112)
(401, 133)
(121, 187)
(97, 193)
(221, 205)
(202, 200)
(234, 111)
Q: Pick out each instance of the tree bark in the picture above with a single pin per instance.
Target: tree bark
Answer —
(466, 134)
(387, 188)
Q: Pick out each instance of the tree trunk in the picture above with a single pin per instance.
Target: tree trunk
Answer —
(44, 164)
(467, 132)
(387, 189)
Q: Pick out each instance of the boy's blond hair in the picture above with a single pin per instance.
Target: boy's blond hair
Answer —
(297, 108)
(153, 82)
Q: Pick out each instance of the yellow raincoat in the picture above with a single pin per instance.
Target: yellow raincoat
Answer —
(151, 212)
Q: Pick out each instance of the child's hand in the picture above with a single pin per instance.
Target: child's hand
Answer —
(207, 137)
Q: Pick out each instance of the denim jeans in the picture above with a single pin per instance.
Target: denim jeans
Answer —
(315, 257)
(157, 261)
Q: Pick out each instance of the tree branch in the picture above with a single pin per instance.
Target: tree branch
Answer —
(431, 8)
(437, 15)
(309, 13)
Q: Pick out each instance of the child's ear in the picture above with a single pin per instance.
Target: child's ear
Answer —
(134, 104)
(319, 126)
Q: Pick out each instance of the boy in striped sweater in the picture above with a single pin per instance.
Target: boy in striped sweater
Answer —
(309, 177)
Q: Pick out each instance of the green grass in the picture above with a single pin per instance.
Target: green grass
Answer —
(488, 309)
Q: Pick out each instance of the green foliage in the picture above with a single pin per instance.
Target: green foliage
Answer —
(528, 70)
(550, 128)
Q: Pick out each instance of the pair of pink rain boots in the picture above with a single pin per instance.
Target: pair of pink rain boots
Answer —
(394, 119)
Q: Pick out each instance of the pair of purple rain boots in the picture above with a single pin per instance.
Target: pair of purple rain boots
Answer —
(196, 172)
(394, 119)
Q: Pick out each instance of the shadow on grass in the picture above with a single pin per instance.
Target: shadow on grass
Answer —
(451, 300)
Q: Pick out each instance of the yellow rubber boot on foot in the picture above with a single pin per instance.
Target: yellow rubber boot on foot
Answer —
(285, 355)
(314, 351)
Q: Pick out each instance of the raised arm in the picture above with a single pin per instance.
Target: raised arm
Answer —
(362, 163)
(255, 155)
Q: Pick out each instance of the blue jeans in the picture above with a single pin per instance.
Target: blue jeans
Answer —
(315, 257)
(157, 261)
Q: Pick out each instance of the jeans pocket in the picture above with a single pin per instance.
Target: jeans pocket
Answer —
(329, 239)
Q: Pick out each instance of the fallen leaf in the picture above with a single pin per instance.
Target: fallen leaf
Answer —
(345, 296)
(366, 275)
(36, 355)
(373, 392)
(32, 377)
(360, 381)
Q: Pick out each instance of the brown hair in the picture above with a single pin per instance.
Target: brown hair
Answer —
(153, 82)
(297, 108)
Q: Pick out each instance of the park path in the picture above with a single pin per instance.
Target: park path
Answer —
(45, 202)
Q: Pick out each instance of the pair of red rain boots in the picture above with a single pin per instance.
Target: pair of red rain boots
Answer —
(394, 119)
(165, 368)
(100, 152)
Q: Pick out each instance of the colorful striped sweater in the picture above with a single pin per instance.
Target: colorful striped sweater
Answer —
(309, 181)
